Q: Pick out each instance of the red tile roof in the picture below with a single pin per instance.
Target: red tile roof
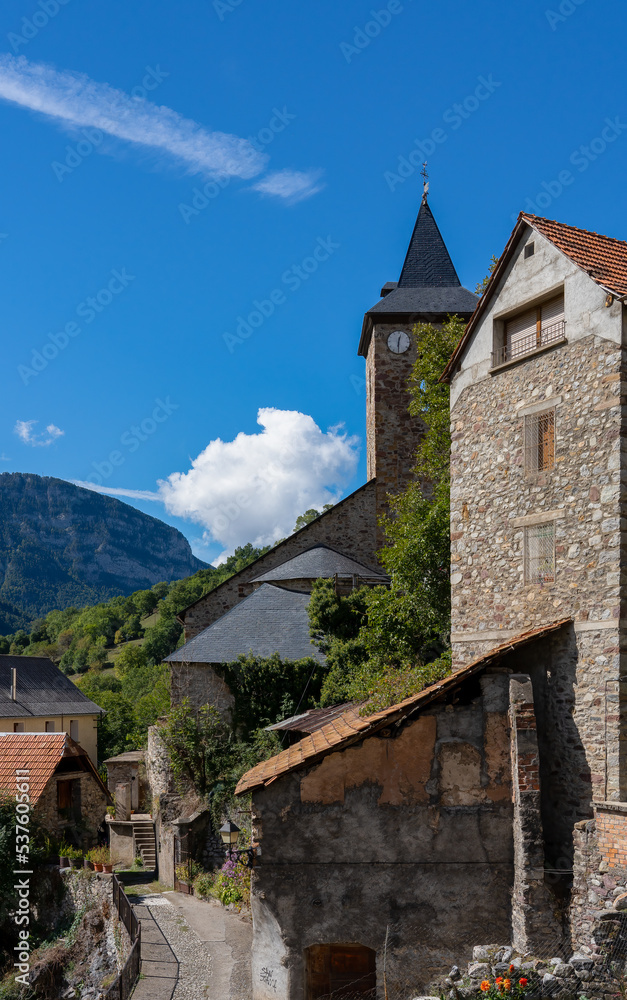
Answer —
(40, 754)
(603, 258)
(350, 727)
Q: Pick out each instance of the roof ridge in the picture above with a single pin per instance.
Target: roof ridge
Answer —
(575, 229)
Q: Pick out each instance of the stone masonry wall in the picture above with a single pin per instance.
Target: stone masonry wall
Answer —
(350, 526)
(94, 804)
(393, 434)
(599, 875)
(493, 500)
(202, 685)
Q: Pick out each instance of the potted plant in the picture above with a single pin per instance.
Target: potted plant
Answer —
(110, 810)
(76, 857)
(96, 858)
(90, 858)
(64, 855)
(107, 865)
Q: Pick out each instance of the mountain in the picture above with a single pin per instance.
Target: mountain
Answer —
(63, 546)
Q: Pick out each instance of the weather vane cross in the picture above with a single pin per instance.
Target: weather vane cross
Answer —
(425, 181)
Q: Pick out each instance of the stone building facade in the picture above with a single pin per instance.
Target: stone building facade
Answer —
(374, 831)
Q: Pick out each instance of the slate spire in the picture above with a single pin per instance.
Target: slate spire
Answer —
(428, 263)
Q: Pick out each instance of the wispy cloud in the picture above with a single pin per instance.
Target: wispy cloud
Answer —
(114, 491)
(291, 185)
(73, 100)
(24, 430)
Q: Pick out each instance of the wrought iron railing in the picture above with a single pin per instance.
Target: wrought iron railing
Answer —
(542, 338)
(124, 985)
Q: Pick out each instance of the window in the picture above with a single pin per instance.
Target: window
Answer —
(534, 328)
(50, 727)
(530, 249)
(74, 729)
(540, 553)
(69, 799)
(18, 727)
(540, 441)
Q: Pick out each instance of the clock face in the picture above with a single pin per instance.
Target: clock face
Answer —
(398, 342)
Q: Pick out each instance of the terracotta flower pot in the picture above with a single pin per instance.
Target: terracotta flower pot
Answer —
(88, 864)
(97, 866)
(64, 862)
(107, 869)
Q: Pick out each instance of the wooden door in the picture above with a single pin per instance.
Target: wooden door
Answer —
(341, 971)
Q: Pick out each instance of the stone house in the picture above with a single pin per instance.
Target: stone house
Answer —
(372, 832)
(37, 697)
(521, 762)
(68, 796)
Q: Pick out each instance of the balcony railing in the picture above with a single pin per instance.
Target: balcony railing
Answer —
(544, 338)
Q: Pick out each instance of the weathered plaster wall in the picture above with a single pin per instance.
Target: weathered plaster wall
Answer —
(350, 526)
(405, 830)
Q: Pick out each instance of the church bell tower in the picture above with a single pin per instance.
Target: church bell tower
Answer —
(427, 291)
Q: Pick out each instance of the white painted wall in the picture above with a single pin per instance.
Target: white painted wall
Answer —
(547, 270)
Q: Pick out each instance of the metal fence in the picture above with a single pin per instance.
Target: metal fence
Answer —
(124, 985)
(526, 345)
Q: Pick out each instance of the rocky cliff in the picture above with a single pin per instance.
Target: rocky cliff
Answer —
(62, 546)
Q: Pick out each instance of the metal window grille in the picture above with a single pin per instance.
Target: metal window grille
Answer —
(540, 441)
(540, 553)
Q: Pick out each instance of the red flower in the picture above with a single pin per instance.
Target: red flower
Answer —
(499, 979)
(507, 983)
(485, 985)
(511, 968)
(523, 981)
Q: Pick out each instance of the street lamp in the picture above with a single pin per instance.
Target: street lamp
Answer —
(230, 833)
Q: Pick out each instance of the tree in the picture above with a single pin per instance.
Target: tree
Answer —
(482, 285)
(310, 515)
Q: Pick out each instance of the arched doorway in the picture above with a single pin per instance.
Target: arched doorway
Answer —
(340, 971)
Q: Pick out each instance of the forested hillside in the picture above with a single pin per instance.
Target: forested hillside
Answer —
(62, 546)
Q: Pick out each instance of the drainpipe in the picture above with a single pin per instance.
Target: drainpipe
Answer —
(13, 683)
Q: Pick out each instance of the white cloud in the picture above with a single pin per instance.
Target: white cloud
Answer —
(24, 430)
(291, 185)
(73, 99)
(114, 491)
(254, 488)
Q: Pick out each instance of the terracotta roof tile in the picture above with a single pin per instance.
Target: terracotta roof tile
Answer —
(351, 727)
(603, 258)
(40, 754)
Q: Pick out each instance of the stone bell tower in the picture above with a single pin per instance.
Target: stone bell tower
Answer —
(427, 291)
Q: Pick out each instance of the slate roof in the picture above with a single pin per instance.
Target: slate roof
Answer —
(603, 258)
(428, 285)
(319, 562)
(427, 263)
(309, 722)
(40, 754)
(351, 728)
(42, 690)
(270, 620)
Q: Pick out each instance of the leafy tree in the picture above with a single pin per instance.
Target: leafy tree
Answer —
(310, 515)
(482, 285)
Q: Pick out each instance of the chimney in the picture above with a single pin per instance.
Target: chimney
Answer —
(13, 683)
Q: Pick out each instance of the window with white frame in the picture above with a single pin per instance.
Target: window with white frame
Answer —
(540, 553)
(540, 441)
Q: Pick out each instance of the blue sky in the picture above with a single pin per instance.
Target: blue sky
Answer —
(294, 124)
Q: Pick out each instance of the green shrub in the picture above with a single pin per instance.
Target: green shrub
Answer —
(203, 884)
